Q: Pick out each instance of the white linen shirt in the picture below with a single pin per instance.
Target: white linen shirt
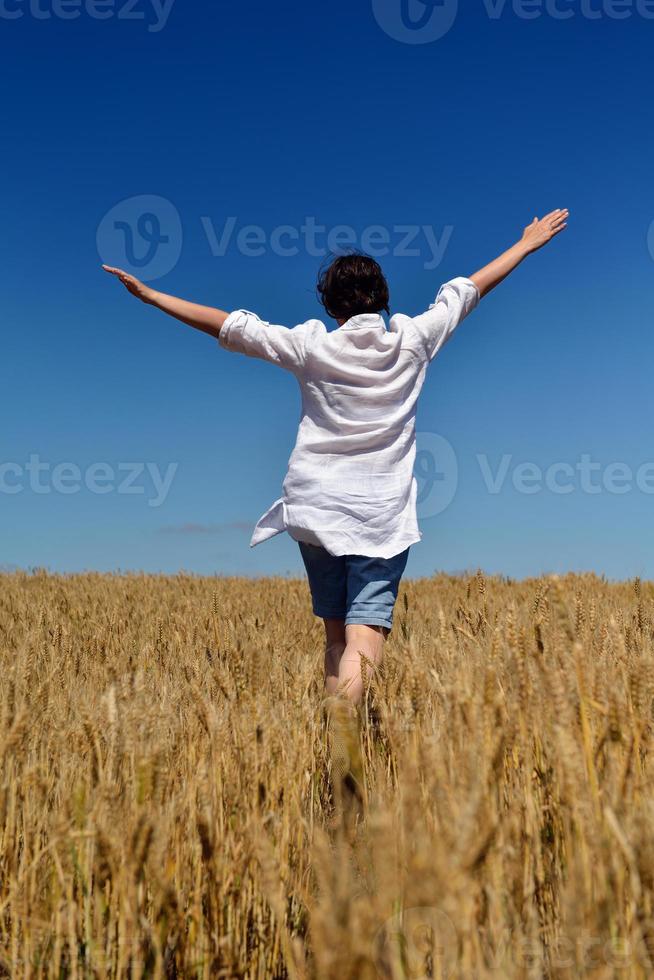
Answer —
(350, 485)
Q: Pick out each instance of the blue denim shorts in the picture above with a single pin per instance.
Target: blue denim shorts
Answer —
(352, 587)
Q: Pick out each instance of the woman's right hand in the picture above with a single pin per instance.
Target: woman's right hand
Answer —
(132, 284)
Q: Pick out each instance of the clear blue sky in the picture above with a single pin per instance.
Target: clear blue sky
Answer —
(272, 113)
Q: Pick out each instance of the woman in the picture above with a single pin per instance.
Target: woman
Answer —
(349, 497)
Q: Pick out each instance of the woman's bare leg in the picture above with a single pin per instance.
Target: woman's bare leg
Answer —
(334, 647)
(361, 640)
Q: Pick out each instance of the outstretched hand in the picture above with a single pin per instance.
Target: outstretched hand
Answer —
(131, 284)
(205, 318)
(538, 233)
(543, 230)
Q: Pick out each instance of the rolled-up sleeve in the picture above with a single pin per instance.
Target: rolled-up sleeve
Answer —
(245, 333)
(455, 300)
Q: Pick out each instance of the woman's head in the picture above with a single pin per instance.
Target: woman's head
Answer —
(353, 284)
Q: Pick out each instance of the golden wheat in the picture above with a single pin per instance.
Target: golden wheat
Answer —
(166, 807)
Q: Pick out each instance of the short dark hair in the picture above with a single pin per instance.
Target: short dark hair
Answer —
(353, 284)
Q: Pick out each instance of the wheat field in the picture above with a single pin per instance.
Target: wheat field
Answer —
(167, 807)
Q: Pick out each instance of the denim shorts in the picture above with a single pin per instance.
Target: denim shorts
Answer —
(352, 587)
